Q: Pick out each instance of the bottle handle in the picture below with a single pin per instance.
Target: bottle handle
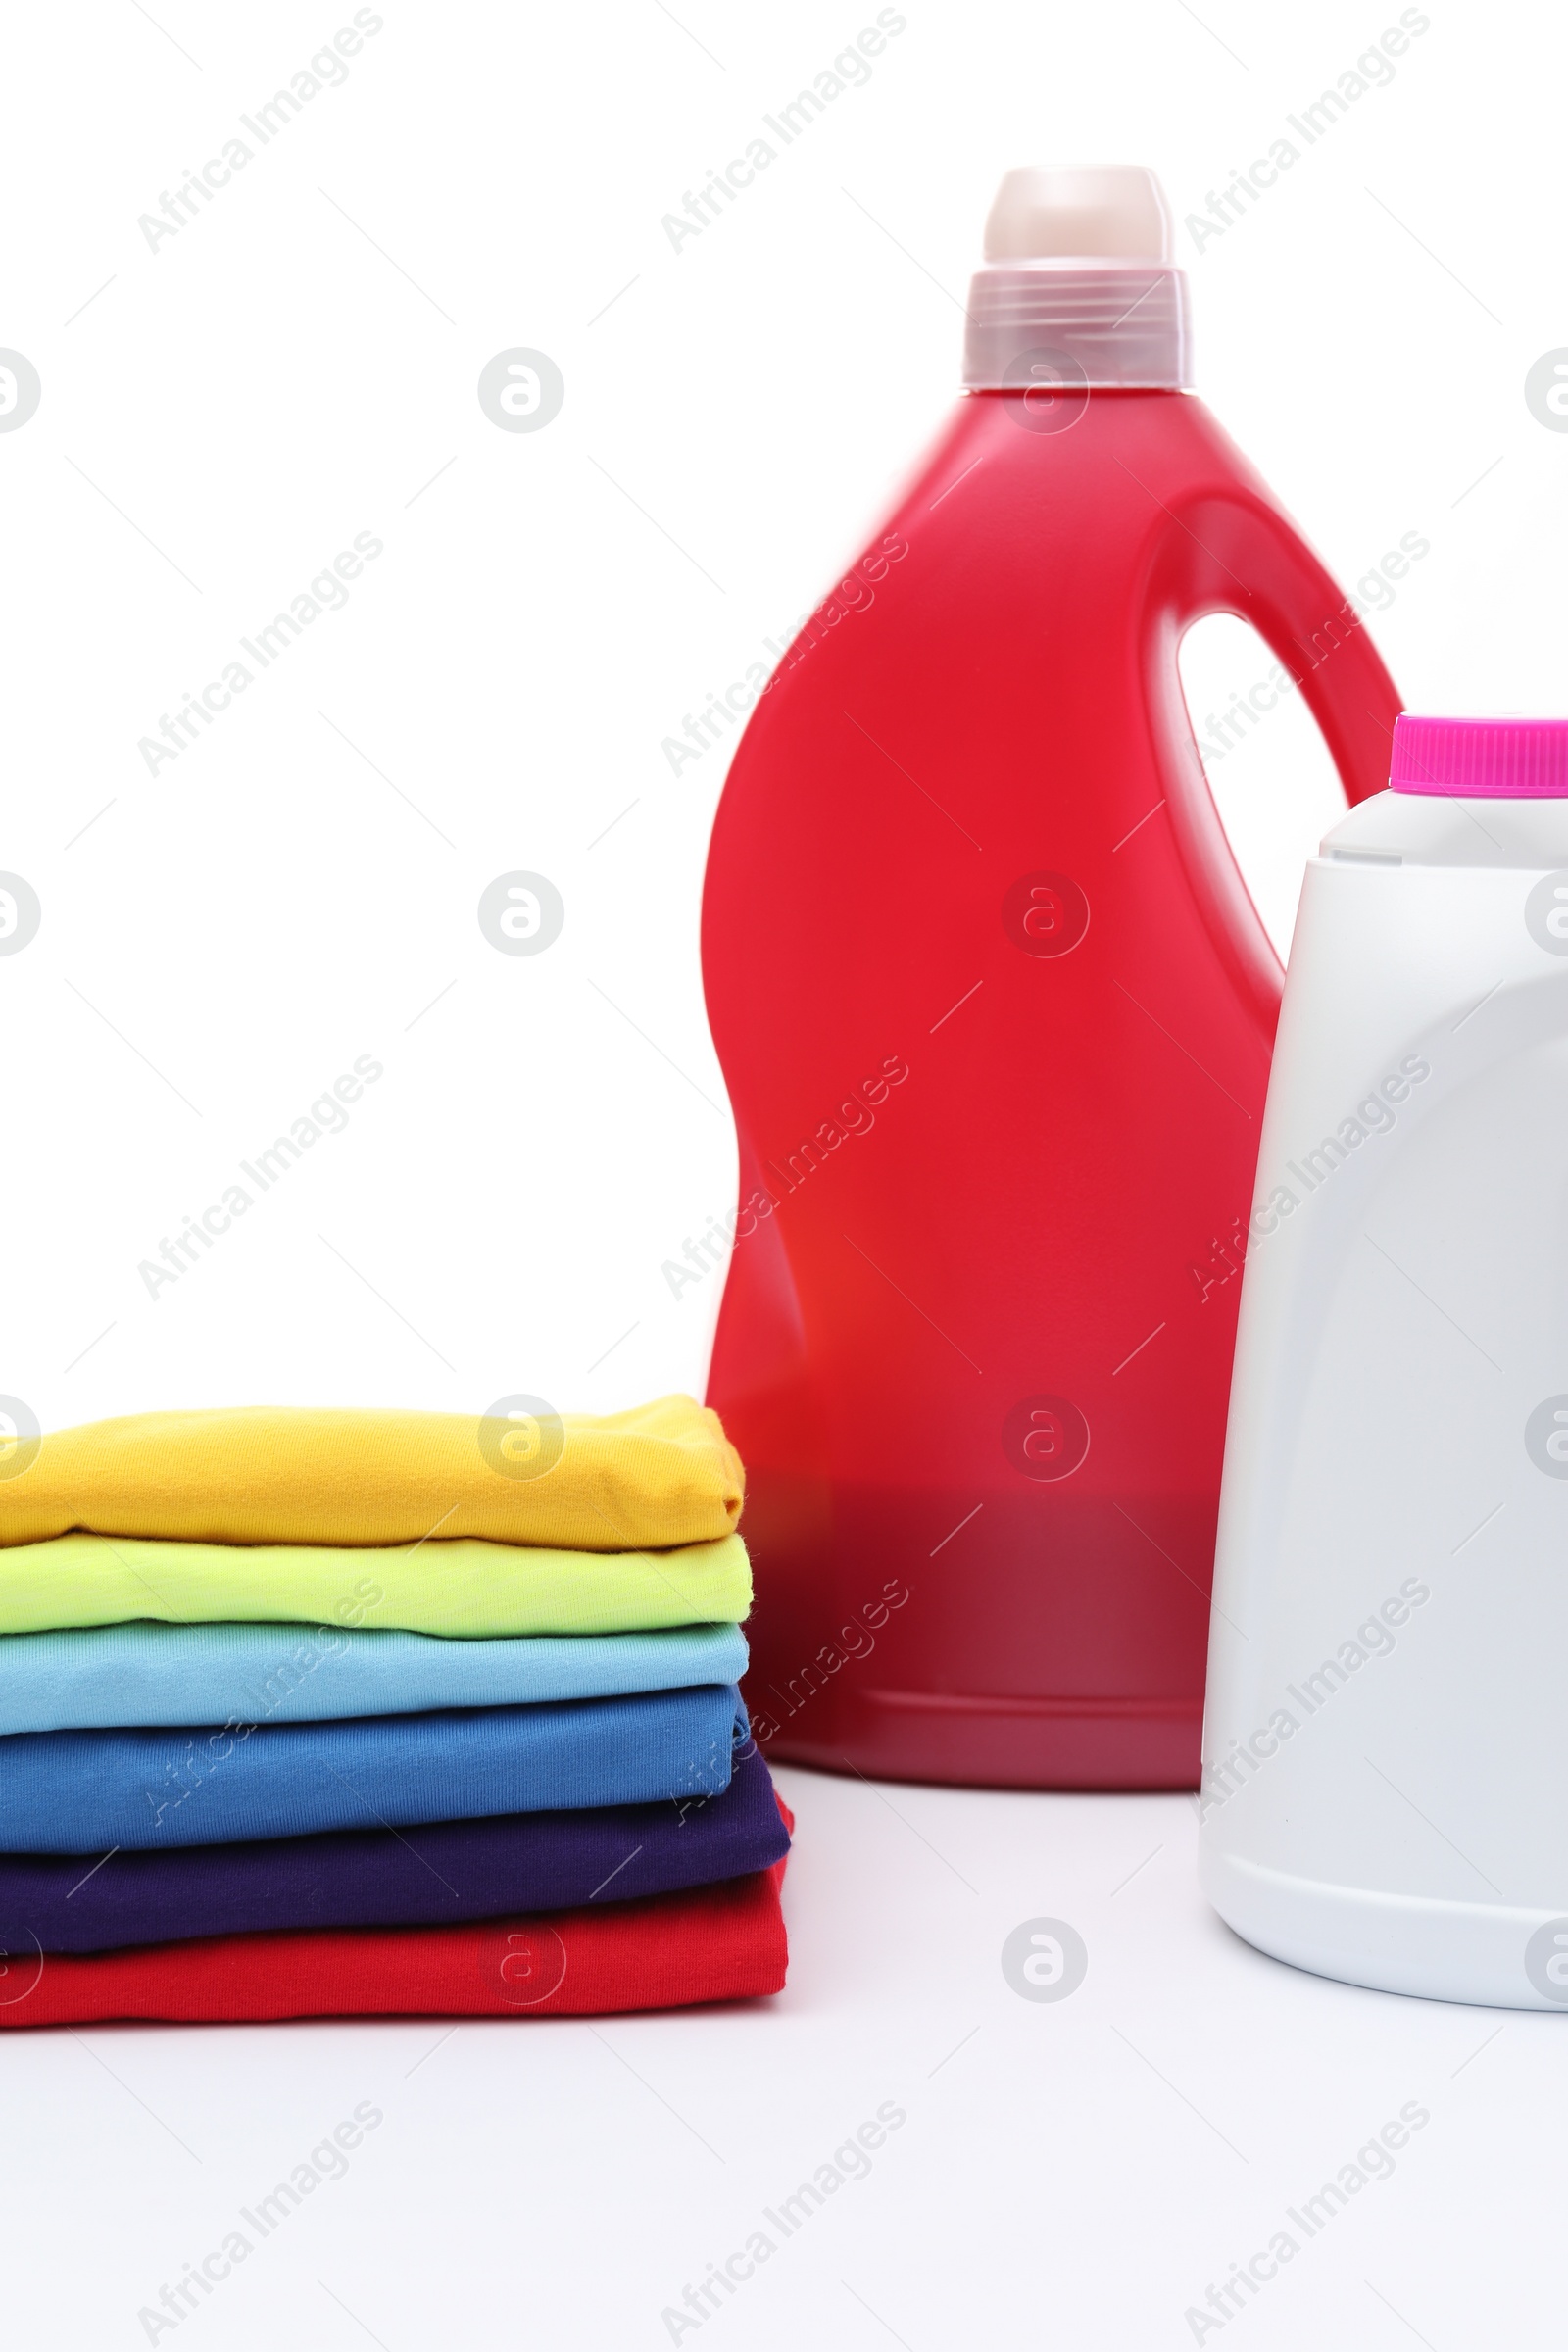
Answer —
(1232, 550)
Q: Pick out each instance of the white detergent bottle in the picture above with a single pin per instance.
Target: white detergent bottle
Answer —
(1385, 1783)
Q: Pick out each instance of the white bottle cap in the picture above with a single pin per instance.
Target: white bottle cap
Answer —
(1112, 210)
(1079, 286)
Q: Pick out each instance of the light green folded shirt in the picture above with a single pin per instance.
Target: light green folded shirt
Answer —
(466, 1586)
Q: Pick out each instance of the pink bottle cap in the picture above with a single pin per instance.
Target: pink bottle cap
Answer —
(1480, 759)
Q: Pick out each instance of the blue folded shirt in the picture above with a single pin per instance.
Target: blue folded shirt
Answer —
(87, 1792)
(431, 1876)
(143, 1673)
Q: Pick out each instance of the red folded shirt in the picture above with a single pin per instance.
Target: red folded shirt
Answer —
(723, 1942)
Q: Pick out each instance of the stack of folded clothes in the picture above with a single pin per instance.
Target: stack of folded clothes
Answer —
(326, 1713)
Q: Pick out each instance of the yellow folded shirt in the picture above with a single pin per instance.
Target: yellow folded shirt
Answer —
(466, 1588)
(660, 1475)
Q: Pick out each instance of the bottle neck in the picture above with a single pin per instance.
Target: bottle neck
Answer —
(1099, 324)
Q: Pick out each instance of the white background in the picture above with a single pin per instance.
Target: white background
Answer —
(219, 417)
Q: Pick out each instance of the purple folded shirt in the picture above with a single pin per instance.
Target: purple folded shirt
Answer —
(497, 1866)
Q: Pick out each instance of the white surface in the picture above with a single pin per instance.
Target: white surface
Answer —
(547, 610)
(1078, 2171)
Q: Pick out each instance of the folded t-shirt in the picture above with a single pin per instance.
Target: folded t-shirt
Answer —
(146, 1674)
(469, 1588)
(430, 1876)
(84, 1792)
(660, 1475)
(669, 1952)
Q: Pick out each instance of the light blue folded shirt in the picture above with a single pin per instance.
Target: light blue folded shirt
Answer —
(144, 1674)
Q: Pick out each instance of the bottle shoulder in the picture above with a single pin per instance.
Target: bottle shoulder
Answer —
(1408, 828)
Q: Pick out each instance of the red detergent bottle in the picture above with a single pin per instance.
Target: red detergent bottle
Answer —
(996, 1010)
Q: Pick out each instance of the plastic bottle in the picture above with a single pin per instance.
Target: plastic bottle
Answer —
(1383, 1746)
(995, 1010)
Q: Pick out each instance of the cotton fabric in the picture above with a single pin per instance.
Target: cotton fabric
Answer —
(83, 1793)
(711, 1943)
(469, 1588)
(146, 1673)
(434, 1876)
(660, 1475)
